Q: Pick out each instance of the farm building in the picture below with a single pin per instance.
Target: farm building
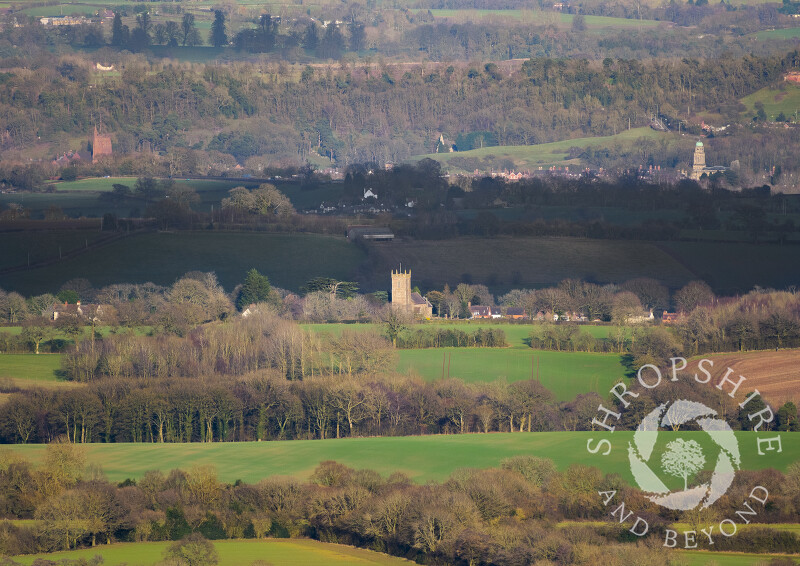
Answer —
(375, 233)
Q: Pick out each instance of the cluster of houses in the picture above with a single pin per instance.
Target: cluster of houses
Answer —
(518, 313)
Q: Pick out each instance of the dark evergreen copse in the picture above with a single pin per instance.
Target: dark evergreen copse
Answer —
(218, 36)
(255, 289)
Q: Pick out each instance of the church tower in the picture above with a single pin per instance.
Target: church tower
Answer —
(699, 160)
(401, 289)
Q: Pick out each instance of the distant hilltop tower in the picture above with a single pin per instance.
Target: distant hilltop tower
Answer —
(699, 164)
(403, 299)
(101, 145)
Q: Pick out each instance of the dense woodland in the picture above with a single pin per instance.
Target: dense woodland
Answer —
(256, 114)
(500, 516)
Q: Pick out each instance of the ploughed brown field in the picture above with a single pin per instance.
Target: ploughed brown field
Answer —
(775, 374)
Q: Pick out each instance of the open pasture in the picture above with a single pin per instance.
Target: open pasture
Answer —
(785, 98)
(422, 458)
(290, 552)
(706, 558)
(278, 552)
(516, 334)
(536, 17)
(536, 155)
(30, 367)
(778, 34)
(288, 259)
(83, 197)
(21, 248)
(565, 374)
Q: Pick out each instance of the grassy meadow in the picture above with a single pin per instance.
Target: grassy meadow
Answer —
(30, 368)
(537, 17)
(83, 197)
(565, 374)
(278, 552)
(538, 155)
(422, 458)
(785, 98)
(21, 247)
(706, 558)
(779, 34)
(291, 552)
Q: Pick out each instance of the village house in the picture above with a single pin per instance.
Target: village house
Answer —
(88, 312)
(670, 317)
(63, 21)
(515, 313)
(484, 311)
(640, 318)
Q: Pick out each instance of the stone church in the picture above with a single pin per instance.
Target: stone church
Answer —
(403, 299)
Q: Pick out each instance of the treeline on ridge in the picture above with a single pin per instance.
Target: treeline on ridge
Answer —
(352, 116)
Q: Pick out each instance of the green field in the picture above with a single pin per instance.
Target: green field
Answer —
(422, 458)
(19, 248)
(705, 558)
(291, 552)
(29, 367)
(539, 155)
(785, 98)
(280, 552)
(516, 334)
(565, 374)
(536, 17)
(784, 33)
(289, 259)
(83, 197)
(61, 10)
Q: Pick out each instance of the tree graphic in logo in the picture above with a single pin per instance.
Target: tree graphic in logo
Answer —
(682, 459)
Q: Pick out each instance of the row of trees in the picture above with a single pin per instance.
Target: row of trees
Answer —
(170, 33)
(503, 516)
(153, 393)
